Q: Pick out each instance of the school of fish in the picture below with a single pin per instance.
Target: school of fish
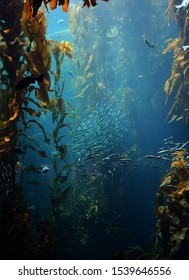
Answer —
(97, 138)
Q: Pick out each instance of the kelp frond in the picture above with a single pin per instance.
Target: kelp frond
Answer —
(32, 7)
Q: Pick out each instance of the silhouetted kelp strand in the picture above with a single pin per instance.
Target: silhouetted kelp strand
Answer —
(26, 81)
(6, 179)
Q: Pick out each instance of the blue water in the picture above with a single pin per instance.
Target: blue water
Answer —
(127, 214)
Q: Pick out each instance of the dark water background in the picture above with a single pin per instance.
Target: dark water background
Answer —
(130, 198)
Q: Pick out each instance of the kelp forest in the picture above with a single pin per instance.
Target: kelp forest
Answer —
(68, 181)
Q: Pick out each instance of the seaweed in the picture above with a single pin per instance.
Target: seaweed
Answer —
(172, 198)
(177, 84)
(32, 7)
(172, 210)
(20, 58)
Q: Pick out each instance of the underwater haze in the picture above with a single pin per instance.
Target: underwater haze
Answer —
(92, 191)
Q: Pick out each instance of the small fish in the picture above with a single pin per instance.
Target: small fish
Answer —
(169, 143)
(45, 169)
(181, 117)
(140, 76)
(90, 156)
(168, 138)
(112, 155)
(96, 174)
(42, 169)
(152, 156)
(16, 40)
(147, 42)
(123, 161)
(183, 5)
(110, 172)
(19, 164)
(60, 21)
(164, 151)
(164, 158)
(185, 47)
(94, 147)
(26, 81)
(70, 73)
(106, 158)
(32, 207)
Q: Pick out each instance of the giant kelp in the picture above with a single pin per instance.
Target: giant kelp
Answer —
(24, 51)
(38, 58)
(172, 210)
(177, 84)
(17, 237)
(33, 6)
(172, 198)
(88, 80)
(10, 62)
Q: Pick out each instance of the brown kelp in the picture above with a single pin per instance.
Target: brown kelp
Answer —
(25, 53)
(172, 210)
(172, 198)
(177, 84)
(59, 50)
(33, 6)
(18, 239)
(38, 58)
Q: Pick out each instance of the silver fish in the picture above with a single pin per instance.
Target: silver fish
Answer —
(183, 5)
(152, 156)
